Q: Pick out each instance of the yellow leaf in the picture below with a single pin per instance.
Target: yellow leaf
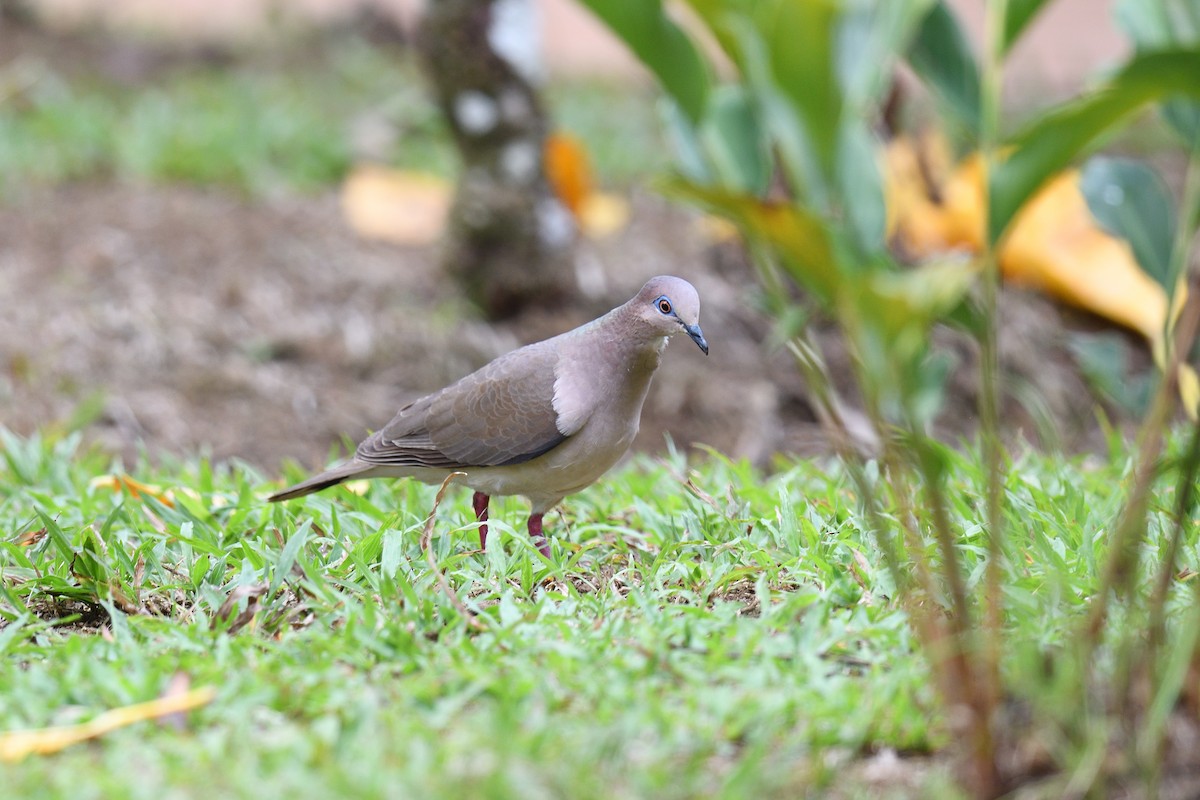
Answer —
(408, 208)
(602, 214)
(931, 210)
(1054, 244)
(716, 230)
(1189, 391)
(16, 745)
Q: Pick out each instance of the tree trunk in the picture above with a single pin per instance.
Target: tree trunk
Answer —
(509, 240)
(17, 11)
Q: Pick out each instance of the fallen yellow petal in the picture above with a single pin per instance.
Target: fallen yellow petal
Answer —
(407, 208)
(568, 171)
(602, 214)
(16, 745)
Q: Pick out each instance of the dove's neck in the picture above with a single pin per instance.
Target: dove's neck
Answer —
(626, 344)
(605, 369)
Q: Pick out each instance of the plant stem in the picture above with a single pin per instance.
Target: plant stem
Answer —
(1131, 524)
(1152, 736)
(1188, 209)
(820, 386)
(1185, 499)
(989, 401)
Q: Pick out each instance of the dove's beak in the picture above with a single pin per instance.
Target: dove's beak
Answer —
(697, 337)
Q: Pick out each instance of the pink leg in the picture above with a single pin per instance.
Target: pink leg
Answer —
(480, 502)
(535, 533)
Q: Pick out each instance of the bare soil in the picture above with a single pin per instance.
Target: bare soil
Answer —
(195, 320)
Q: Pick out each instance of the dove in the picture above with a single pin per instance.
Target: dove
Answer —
(543, 421)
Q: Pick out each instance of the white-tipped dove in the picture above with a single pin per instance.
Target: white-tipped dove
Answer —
(543, 421)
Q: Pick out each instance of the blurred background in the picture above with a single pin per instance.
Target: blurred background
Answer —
(230, 226)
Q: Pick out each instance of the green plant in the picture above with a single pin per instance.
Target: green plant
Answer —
(785, 149)
(255, 125)
(272, 119)
(681, 645)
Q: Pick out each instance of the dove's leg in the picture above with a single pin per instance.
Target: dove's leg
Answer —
(535, 533)
(480, 502)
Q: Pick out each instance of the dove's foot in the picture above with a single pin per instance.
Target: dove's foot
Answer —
(535, 533)
(480, 502)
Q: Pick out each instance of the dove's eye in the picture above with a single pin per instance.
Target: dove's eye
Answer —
(664, 305)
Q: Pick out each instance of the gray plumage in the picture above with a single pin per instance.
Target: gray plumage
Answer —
(543, 421)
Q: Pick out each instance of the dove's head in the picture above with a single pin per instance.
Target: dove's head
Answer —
(669, 305)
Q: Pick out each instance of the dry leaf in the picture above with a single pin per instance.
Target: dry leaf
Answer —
(407, 208)
(135, 488)
(30, 538)
(16, 745)
(250, 593)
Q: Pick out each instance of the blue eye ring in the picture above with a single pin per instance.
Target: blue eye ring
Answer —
(663, 304)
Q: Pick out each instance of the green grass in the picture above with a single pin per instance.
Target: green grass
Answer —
(265, 124)
(675, 647)
(619, 126)
(257, 126)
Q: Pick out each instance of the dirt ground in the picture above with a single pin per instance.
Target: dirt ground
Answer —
(193, 320)
(184, 320)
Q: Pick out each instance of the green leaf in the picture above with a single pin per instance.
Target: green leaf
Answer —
(1053, 141)
(1184, 118)
(872, 35)
(941, 55)
(1018, 15)
(1104, 361)
(90, 563)
(735, 142)
(1130, 201)
(800, 39)
(785, 52)
(12, 630)
(392, 553)
(916, 297)
(684, 139)
(892, 312)
(663, 47)
(861, 186)
(1161, 24)
(287, 558)
(789, 134)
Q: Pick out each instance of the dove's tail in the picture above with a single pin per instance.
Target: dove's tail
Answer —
(326, 479)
